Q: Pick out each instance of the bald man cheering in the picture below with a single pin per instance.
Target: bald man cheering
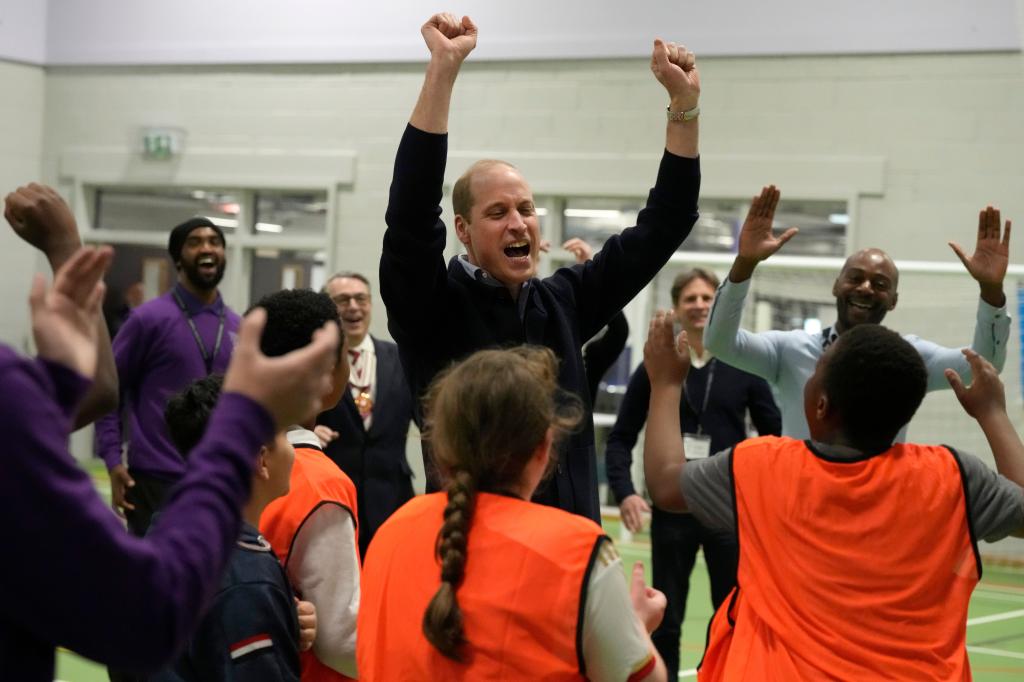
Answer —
(865, 291)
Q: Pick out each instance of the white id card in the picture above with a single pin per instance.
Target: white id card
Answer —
(696, 447)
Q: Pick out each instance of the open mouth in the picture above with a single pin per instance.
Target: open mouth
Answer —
(861, 305)
(207, 263)
(519, 249)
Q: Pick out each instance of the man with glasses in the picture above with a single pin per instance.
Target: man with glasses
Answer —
(365, 432)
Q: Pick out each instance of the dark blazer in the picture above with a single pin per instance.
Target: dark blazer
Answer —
(733, 393)
(375, 459)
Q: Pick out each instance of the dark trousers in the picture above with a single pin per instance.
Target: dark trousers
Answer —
(148, 496)
(675, 539)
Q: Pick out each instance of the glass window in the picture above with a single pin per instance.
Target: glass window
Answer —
(275, 269)
(291, 213)
(159, 210)
(137, 274)
(822, 224)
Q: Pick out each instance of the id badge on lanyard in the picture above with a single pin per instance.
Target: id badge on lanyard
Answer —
(696, 446)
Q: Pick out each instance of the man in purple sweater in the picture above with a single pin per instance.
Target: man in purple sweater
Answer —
(185, 334)
(63, 542)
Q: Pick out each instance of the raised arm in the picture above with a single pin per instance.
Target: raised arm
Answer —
(629, 261)
(985, 400)
(988, 267)
(43, 219)
(668, 361)
(450, 41)
(166, 578)
(754, 353)
(675, 68)
(412, 268)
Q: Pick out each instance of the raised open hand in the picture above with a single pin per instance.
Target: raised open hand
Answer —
(580, 249)
(985, 394)
(675, 68)
(448, 37)
(65, 317)
(757, 241)
(991, 252)
(666, 357)
(42, 218)
(290, 387)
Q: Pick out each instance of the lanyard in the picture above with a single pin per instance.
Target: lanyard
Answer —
(207, 357)
(826, 338)
(707, 394)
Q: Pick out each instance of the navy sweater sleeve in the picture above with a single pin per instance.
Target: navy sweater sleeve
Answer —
(632, 416)
(626, 263)
(602, 352)
(413, 276)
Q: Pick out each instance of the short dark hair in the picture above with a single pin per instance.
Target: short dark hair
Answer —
(462, 192)
(293, 315)
(188, 411)
(876, 381)
(347, 274)
(683, 280)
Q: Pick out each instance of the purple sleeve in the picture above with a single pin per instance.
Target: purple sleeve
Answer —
(128, 347)
(68, 385)
(76, 577)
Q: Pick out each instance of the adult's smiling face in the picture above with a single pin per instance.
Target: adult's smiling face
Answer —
(865, 289)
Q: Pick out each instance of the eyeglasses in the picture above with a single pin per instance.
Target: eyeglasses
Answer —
(343, 300)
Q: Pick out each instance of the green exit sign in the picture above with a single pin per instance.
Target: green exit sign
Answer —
(162, 143)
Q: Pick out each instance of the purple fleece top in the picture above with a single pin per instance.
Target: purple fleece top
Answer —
(157, 355)
(71, 575)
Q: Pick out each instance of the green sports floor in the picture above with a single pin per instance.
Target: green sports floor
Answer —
(995, 624)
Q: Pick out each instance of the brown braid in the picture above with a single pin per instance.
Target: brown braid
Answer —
(442, 621)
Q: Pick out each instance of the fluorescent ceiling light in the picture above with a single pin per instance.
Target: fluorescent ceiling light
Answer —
(269, 227)
(839, 218)
(608, 213)
(812, 325)
(223, 222)
(541, 211)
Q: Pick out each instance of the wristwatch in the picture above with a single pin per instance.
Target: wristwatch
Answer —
(682, 115)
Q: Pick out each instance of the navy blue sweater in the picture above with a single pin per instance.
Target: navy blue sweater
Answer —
(439, 314)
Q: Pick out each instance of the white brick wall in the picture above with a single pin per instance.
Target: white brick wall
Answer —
(21, 148)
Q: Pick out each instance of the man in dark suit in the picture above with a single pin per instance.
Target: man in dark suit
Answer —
(365, 433)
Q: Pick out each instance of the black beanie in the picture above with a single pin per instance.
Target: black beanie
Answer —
(180, 233)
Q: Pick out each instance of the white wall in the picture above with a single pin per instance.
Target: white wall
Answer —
(21, 148)
(269, 31)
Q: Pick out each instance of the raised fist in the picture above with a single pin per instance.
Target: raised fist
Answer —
(675, 68)
(448, 37)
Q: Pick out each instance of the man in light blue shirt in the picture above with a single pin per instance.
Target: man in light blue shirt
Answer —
(865, 291)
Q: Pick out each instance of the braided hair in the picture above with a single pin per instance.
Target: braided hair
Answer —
(485, 418)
